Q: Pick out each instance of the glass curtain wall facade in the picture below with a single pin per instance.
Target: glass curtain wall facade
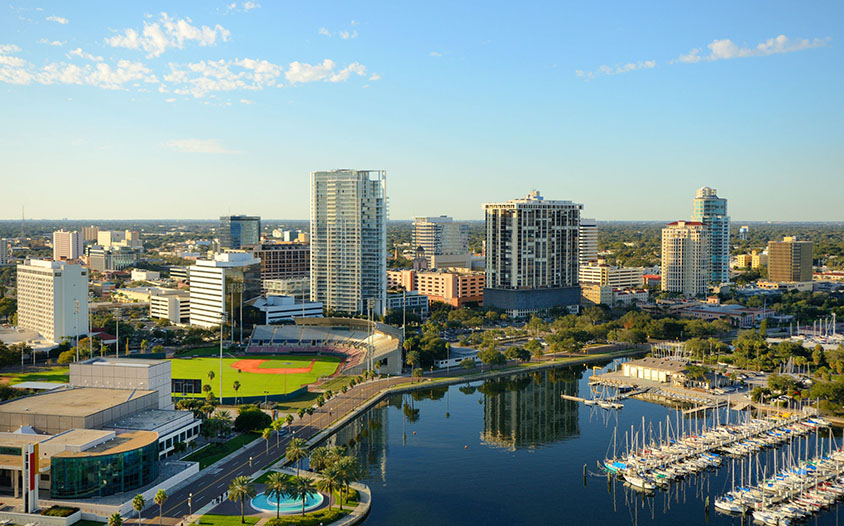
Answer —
(79, 477)
(711, 210)
(239, 231)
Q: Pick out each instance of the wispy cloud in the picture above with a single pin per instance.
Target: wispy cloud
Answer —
(435, 54)
(201, 78)
(347, 35)
(82, 54)
(58, 19)
(156, 37)
(57, 43)
(344, 34)
(375, 76)
(301, 72)
(244, 7)
(245, 101)
(726, 49)
(324, 32)
(604, 70)
(199, 146)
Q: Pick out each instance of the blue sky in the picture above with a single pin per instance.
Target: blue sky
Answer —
(197, 109)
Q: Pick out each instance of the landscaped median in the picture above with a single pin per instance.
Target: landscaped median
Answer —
(213, 452)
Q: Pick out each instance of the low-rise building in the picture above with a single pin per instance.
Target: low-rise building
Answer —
(455, 286)
(299, 288)
(115, 257)
(145, 275)
(629, 296)
(662, 370)
(170, 304)
(600, 273)
(276, 308)
(413, 301)
(596, 294)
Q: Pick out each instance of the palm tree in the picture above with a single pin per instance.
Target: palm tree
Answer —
(278, 486)
(160, 497)
(211, 376)
(296, 451)
(302, 487)
(289, 419)
(115, 519)
(236, 387)
(319, 458)
(330, 482)
(138, 504)
(349, 471)
(240, 489)
(267, 433)
(411, 359)
(277, 425)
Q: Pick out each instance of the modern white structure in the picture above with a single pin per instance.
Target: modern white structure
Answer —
(145, 275)
(170, 304)
(219, 286)
(119, 238)
(685, 258)
(53, 298)
(299, 288)
(349, 239)
(531, 254)
(587, 241)
(711, 211)
(439, 236)
(599, 273)
(67, 245)
(277, 308)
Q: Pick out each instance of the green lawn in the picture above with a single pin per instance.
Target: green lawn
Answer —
(254, 384)
(226, 520)
(336, 384)
(210, 454)
(59, 375)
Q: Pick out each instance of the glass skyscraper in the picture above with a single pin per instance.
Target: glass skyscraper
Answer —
(239, 231)
(711, 211)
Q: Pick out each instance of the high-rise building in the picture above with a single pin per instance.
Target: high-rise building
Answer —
(283, 260)
(53, 298)
(790, 261)
(4, 252)
(239, 231)
(711, 211)
(440, 236)
(531, 254)
(220, 286)
(685, 258)
(587, 241)
(349, 239)
(89, 233)
(67, 245)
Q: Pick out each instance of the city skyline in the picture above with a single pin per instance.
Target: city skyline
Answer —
(209, 106)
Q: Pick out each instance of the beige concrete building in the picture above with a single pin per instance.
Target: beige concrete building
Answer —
(67, 245)
(655, 369)
(455, 287)
(685, 258)
(53, 298)
(597, 272)
(596, 294)
(170, 304)
(789, 261)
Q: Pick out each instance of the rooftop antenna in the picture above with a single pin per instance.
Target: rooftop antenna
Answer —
(22, 236)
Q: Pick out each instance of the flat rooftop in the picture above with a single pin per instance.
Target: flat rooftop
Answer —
(149, 420)
(120, 444)
(81, 401)
(122, 362)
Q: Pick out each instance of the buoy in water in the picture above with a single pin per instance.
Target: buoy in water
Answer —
(466, 447)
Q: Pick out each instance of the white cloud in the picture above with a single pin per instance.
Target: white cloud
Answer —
(436, 54)
(300, 72)
(726, 49)
(375, 76)
(156, 37)
(346, 35)
(248, 6)
(605, 70)
(9, 48)
(324, 32)
(82, 54)
(57, 43)
(245, 7)
(198, 146)
(58, 19)
(201, 78)
(245, 101)
(171, 99)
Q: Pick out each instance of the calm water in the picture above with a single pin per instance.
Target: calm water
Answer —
(512, 453)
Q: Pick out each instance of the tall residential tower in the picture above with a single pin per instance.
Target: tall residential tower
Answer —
(349, 239)
(790, 261)
(685, 258)
(711, 211)
(531, 254)
(53, 298)
(440, 236)
(67, 245)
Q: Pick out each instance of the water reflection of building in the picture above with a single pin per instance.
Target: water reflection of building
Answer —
(366, 437)
(529, 410)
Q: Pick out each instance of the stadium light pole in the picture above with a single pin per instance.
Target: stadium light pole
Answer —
(222, 321)
(76, 311)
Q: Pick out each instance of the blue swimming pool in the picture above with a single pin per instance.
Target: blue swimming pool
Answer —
(287, 505)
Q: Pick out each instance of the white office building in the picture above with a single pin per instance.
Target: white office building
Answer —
(711, 211)
(685, 258)
(587, 241)
(53, 298)
(170, 304)
(67, 245)
(218, 287)
(349, 239)
(440, 236)
(531, 254)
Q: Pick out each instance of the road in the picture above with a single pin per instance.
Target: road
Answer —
(214, 480)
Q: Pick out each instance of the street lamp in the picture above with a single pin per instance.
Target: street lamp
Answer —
(265, 398)
(190, 505)
(250, 462)
(76, 310)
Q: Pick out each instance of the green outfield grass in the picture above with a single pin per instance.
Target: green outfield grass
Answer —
(254, 384)
(59, 375)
